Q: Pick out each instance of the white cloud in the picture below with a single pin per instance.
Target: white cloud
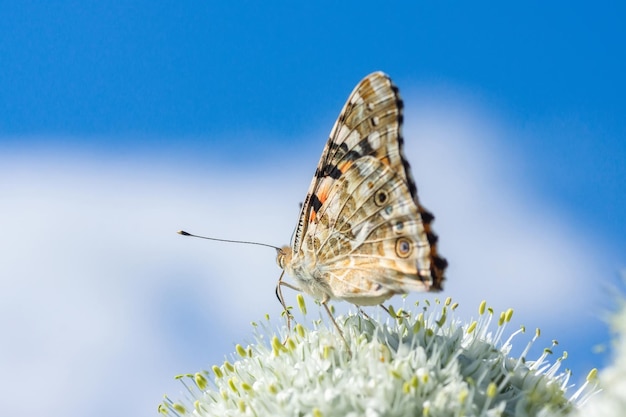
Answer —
(92, 268)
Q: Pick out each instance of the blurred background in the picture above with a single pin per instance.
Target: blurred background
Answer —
(121, 123)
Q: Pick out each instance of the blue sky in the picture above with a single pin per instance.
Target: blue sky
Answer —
(122, 123)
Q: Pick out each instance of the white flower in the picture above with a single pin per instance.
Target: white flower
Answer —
(611, 401)
(425, 364)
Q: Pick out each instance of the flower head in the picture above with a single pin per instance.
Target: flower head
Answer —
(422, 363)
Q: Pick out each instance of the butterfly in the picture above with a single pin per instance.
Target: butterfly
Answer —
(362, 235)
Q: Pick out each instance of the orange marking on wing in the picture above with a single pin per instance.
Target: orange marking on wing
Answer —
(322, 192)
(322, 196)
(343, 167)
(385, 160)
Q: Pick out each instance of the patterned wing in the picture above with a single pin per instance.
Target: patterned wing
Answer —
(369, 241)
(366, 139)
(369, 124)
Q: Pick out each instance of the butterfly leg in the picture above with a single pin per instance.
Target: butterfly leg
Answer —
(387, 310)
(364, 313)
(395, 314)
(281, 299)
(324, 302)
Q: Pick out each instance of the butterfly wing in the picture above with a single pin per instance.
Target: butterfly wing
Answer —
(344, 233)
(370, 242)
(369, 124)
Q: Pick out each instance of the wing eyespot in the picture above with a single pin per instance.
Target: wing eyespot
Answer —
(398, 227)
(381, 197)
(403, 247)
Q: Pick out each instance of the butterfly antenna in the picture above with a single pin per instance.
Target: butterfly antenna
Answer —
(182, 232)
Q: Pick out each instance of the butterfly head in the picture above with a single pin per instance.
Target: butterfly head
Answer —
(283, 257)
